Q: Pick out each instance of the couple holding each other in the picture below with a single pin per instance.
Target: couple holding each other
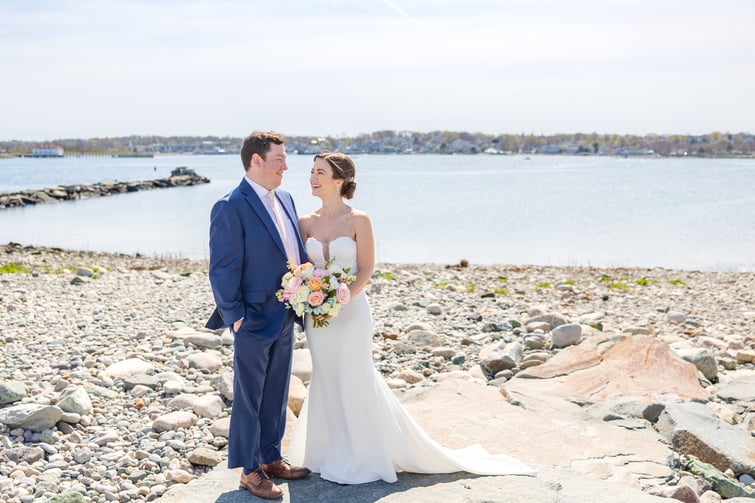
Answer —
(351, 429)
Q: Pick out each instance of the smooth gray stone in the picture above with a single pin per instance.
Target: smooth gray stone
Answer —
(12, 391)
(31, 416)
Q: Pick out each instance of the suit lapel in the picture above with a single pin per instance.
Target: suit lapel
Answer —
(259, 208)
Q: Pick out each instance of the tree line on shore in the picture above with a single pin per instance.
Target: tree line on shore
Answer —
(714, 144)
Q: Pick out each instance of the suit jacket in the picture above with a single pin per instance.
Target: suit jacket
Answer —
(247, 261)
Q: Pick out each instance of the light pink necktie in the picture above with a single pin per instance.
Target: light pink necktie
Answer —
(279, 223)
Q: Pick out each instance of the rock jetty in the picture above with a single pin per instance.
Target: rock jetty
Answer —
(179, 178)
(616, 384)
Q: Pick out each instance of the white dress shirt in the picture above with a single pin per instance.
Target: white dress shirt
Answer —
(290, 231)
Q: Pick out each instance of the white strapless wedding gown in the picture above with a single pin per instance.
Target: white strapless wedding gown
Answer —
(352, 429)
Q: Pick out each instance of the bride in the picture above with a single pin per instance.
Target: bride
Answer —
(351, 428)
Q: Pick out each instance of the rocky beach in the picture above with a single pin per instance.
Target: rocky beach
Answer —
(635, 383)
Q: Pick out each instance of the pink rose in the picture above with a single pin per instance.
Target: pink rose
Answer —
(343, 294)
(320, 273)
(316, 298)
(291, 287)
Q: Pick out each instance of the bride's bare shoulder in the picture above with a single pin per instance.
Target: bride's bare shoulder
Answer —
(305, 219)
(360, 220)
(359, 214)
(305, 222)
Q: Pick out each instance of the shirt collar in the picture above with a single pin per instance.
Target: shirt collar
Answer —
(259, 189)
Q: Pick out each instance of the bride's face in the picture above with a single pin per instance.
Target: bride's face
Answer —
(321, 180)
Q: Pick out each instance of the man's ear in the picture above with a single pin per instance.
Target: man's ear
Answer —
(256, 159)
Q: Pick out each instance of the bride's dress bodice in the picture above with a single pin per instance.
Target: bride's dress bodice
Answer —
(343, 249)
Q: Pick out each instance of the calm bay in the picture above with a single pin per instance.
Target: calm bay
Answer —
(542, 210)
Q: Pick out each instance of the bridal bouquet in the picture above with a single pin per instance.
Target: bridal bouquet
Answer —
(317, 291)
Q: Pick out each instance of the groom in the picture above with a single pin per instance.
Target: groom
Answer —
(253, 232)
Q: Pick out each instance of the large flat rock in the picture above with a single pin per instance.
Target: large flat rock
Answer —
(581, 459)
(609, 365)
(544, 432)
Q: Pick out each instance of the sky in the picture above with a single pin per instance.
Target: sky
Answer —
(104, 68)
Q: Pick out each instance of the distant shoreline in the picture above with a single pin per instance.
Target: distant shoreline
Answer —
(714, 144)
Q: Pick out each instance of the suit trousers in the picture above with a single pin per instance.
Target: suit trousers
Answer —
(262, 370)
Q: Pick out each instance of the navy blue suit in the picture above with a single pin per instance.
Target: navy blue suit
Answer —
(247, 261)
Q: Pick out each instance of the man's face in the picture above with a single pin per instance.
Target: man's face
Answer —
(268, 172)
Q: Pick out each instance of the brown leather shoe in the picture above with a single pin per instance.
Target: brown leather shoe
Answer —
(283, 470)
(259, 484)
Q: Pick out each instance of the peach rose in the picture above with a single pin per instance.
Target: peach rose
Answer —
(343, 294)
(316, 298)
(315, 284)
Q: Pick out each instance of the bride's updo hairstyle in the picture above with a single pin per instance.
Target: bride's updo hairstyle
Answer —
(343, 169)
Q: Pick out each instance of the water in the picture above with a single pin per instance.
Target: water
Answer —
(545, 210)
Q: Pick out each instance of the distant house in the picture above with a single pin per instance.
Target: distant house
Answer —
(459, 146)
(47, 150)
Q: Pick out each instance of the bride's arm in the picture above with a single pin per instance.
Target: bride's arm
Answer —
(365, 251)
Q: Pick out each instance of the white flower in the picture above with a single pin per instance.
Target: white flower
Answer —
(300, 297)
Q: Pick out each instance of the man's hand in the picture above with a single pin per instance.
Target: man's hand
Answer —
(237, 325)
